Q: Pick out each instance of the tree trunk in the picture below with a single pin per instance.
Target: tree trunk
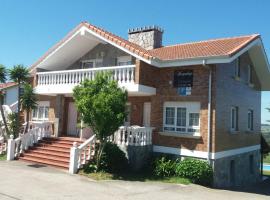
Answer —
(100, 151)
(3, 115)
(18, 107)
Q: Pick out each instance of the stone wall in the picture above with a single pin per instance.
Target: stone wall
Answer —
(243, 174)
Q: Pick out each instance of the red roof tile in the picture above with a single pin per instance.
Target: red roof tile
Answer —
(7, 85)
(208, 48)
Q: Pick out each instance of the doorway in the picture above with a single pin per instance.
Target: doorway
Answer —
(72, 120)
(147, 114)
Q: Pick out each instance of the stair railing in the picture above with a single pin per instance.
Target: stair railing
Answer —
(17, 146)
(81, 155)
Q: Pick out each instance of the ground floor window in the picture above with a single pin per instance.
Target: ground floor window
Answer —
(181, 117)
(251, 164)
(42, 111)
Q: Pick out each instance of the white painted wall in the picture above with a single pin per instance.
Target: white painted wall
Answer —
(11, 95)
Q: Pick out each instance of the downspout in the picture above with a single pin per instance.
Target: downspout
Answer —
(209, 131)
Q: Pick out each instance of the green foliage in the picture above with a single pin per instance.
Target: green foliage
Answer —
(102, 104)
(3, 74)
(164, 166)
(19, 74)
(198, 171)
(29, 98)
(113, 159)
(13, 124)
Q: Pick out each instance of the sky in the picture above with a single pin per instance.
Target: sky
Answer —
(28, 28)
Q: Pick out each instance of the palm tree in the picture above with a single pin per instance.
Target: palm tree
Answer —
(3, 74)
(29, 102)
(19, 74)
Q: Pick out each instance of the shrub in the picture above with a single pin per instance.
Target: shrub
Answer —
(198, 171)
(113, 159)
(164, 166)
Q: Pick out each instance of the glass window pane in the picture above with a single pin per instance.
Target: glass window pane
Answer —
(181, 116)
(169, 120)
(40, 112)
(194, 119)
(34, 113)
(46, 114)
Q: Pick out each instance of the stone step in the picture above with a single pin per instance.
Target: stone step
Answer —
(45, 161)
(57, 158)
(50, 152)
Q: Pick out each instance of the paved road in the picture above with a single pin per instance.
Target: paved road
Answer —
(21, 181)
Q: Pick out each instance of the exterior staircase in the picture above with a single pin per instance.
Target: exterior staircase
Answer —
(51, 151)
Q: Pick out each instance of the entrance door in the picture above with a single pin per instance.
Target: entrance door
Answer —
(146, 114)
(72, 120)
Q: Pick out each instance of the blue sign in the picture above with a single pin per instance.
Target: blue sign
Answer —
(184, 91)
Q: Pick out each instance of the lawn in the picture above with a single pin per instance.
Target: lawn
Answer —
(134, 177)
(3, 157)
(267, 173)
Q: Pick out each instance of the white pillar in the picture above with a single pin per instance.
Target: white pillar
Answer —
(11, 148)
(74, 155)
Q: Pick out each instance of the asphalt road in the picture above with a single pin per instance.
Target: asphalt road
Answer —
(24, 181)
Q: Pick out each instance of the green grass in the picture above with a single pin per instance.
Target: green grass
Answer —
(267, 173)
(3, 157)
(134, 177)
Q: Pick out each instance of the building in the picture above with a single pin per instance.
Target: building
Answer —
(202, 98)
(10, 91)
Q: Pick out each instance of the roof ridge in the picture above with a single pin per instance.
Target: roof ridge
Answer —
(210, 40)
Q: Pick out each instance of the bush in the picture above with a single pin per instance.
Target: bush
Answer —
(164, 166)
(113, 159)
(198, 171)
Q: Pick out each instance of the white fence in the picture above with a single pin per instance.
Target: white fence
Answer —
(133, 136)
(17, 146)
(80, 155)
(122, 74)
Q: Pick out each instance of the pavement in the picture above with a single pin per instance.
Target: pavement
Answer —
(25, 181)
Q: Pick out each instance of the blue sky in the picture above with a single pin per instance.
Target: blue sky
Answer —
(29, 28)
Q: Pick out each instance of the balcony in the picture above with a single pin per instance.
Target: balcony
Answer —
(63, 82)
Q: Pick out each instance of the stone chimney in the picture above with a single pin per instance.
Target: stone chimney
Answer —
(148, 37)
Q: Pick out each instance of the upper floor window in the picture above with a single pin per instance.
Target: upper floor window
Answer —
(250, 120)
(237, 68)
(42, 111)
(234, 118)
(181, 117)
(86, 64)
(249, 68)
(124, 60)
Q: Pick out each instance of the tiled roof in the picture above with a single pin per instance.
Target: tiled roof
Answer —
(7, 85)
(208, 48)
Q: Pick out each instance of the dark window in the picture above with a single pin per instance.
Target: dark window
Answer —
(251, 164)
(232, 172)
(250, 120)
(237, 68)
(234, 118)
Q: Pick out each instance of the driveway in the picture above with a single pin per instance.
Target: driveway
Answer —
(24, 181)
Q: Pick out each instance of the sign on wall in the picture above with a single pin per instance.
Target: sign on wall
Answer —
(183, 81)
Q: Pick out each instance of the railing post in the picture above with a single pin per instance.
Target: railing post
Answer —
(11, 148)
(74, 155)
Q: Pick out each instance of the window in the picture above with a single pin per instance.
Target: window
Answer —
(182, 117)
(237, 67)
(86, 64)
(232, 172)
(42, 111)
(250, 120)
(249, 74)
(128, 110)
(251, 164)
(234, 119)
(124, 60)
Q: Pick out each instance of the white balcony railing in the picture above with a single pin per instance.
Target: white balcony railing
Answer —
(122, 74)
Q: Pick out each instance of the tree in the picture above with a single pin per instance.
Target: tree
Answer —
(19, 74)
(269, 111)
(29, 102)
(102, 105)
(3, 74)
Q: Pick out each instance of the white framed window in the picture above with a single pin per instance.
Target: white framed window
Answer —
(93, 63)
(124, 60)
(249, 68)
(42, 111)
(234, 118)
(181, 117)
(237, 68)
(250, 120)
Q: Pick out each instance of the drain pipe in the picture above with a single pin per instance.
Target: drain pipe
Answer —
(209, 131)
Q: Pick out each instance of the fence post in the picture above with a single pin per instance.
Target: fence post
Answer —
(11, 148)
(73, 164)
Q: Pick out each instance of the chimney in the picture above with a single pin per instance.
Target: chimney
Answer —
(148, 37)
